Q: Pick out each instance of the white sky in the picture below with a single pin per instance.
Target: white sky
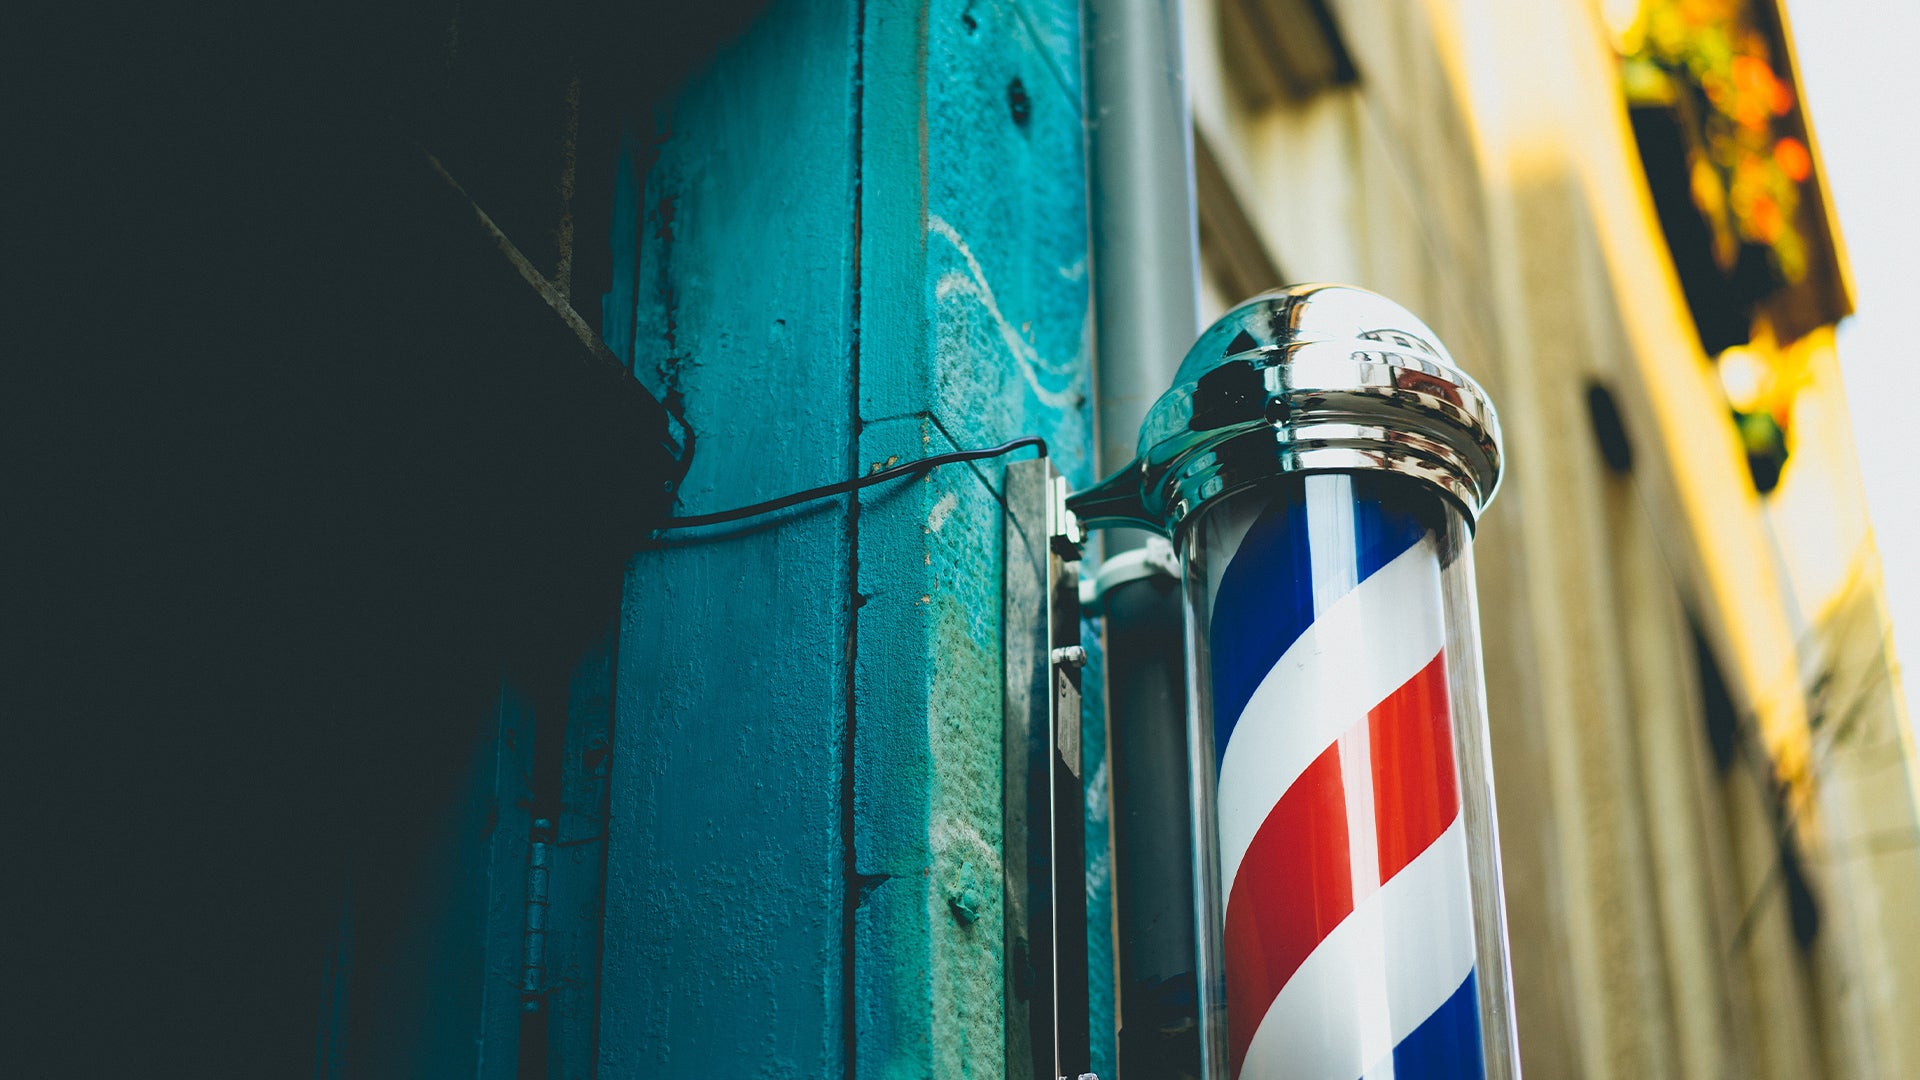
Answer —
(1861, 79)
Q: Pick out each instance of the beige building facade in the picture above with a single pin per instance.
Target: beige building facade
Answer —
(1704, 773)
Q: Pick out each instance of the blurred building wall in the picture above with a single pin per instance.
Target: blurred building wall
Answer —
(1705, 779)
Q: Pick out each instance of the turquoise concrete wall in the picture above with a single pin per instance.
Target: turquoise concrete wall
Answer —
(858, 237)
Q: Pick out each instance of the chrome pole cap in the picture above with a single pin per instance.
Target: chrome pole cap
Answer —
(1312, 378)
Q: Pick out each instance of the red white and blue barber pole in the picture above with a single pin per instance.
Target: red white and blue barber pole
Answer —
(1349, 937)
(1320, 463)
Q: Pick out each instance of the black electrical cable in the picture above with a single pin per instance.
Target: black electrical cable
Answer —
(911, 468)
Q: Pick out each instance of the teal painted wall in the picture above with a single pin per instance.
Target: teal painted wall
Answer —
(727, 862)
(858, 237)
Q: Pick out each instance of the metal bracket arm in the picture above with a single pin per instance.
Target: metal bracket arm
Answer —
(1044, 798)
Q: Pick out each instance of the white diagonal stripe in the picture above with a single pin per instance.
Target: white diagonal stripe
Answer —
(1362, 648)
(1363, 830)
(1397, 958)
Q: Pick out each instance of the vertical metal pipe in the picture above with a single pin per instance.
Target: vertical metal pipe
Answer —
(1146, 289)
(1146, 245)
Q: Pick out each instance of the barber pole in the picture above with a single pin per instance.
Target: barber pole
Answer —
(1320, 463)
(1349, 945)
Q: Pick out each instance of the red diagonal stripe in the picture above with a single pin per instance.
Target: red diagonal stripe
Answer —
(1293, 888)
(1296, 884)
(1415, 795)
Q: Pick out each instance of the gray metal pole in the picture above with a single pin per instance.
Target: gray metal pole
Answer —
(1146, 245)
(1146, 289)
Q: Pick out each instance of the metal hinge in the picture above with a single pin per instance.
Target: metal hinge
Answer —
(533, 963)
(1063, 526)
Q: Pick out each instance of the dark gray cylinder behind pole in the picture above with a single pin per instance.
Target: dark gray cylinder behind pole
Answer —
(1153, 840)
(1146, 288)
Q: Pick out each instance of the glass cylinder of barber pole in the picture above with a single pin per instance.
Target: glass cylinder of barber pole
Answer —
(1340, 725)
(1320, 463)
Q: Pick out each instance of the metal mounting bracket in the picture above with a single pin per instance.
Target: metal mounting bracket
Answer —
(1044, 799)
(1155, 558)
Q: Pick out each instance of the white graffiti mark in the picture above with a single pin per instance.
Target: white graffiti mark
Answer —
(941, 510)
(974, 284)
(952, 838)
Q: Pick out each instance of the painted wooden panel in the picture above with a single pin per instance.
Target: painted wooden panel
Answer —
(974, 330)
(725, 868)
(426, 967)
(927, 769)
(1103, 970)
(858, 238)
(973, 230)
(572, 977)
(1056, 26)
(505, 805)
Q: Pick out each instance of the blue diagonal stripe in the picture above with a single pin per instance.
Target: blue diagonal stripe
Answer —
(1265, 600)
(1446, 1045)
